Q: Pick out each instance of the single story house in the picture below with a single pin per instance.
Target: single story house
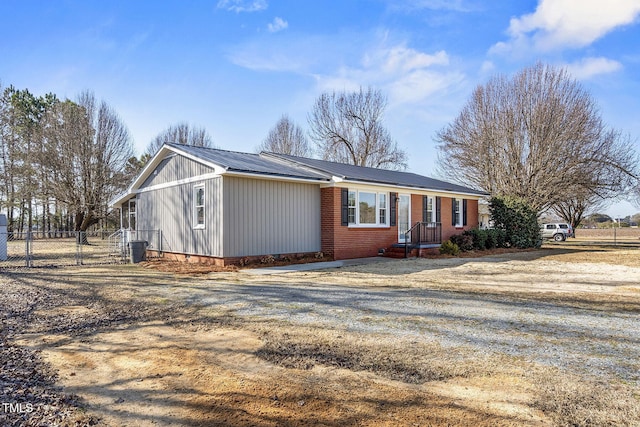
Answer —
(222, 206)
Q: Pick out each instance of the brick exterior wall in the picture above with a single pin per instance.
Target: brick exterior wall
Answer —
(449, 230)
(329, 219)
(342, 242)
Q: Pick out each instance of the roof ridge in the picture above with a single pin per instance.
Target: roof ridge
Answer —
(176, 145)
(288, 159)
(333, 162)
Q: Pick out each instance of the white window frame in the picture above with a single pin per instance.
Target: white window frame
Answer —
(458, 203)
(378, 208)
(382, 209)
(431, 202)
(352, 210)
(132, 214)
(196, 206)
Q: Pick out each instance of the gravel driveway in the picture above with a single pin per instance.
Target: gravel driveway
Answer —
(589, 341)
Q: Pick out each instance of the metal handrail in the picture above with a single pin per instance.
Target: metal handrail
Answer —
(436, 226)
(407, 237)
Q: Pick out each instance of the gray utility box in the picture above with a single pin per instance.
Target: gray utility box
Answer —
(137, 250)
(3, 237)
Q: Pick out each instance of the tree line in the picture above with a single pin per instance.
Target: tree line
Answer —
(60, 160)
(536, 136)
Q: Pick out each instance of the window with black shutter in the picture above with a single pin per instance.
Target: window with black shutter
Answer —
(464, 212)
(425, 209)
(454, 212)
(392, 209)
(344, 211)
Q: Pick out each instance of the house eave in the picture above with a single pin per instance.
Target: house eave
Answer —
(344, 182)
(152, 164)
(275, 177)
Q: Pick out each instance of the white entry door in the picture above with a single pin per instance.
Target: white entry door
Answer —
(404, 215)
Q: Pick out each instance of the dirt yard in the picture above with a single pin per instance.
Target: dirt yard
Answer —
(535, 338)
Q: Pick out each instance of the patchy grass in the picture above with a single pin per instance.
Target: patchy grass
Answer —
(321, 376)
(411, 362)
(571, 401)
(567, 400)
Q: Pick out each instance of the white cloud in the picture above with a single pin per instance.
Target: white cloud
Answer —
(243, 5)
(558, 24)
(412, 5)
(289, 55)
(278, 24)
(590, 67)
(408, 76)
(487, 67)
(400, 59)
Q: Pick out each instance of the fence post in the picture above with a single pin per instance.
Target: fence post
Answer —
(28, 249)
(79, 240)
(4, 238)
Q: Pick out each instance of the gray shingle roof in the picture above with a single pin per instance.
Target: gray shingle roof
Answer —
(380, 176)
(301, 167)
(249, 163)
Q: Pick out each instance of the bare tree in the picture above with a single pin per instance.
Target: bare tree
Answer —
(347, 128)
(88, 147)
(181, 133)
(286, 138)
(574, 210)
(537, 136)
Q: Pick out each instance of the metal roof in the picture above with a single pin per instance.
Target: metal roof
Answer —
(292, 167)
(249, 163)
(378, 176)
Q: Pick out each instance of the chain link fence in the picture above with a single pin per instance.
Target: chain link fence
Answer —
(71, 248)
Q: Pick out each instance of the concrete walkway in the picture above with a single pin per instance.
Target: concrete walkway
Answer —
(315, 266)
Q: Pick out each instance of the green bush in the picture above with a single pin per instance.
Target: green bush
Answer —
(449, 248)
(496, 238)
(479, 238)
(518, 221)
(464, 241)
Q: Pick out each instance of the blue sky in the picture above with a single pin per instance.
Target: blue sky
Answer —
(235, 66)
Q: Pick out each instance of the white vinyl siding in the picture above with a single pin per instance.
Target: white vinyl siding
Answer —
(175, 168)
(171, 210)
(269, 217)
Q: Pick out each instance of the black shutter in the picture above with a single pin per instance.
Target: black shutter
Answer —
(453, 212)
(438, 209)
(425, 203)
(392, 209)
(464, 211)
(345, 206)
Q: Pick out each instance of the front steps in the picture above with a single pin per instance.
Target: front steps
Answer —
(413, 251)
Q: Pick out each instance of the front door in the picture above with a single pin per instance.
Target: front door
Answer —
(404, 215)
